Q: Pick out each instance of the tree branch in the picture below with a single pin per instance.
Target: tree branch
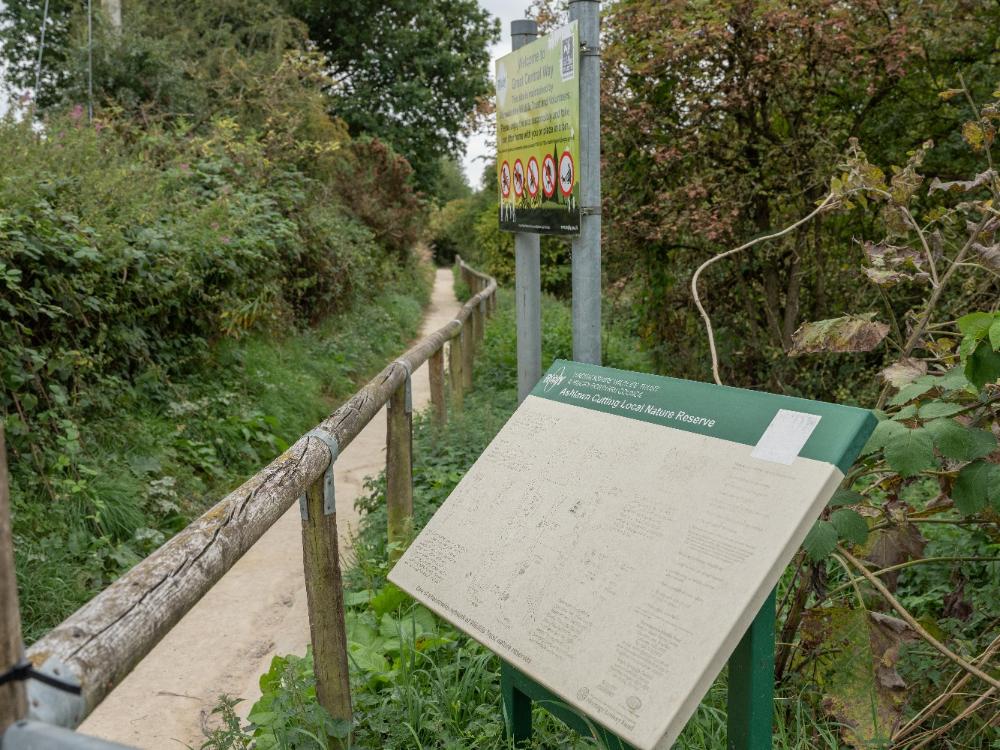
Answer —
(830, 199)
(912, 622)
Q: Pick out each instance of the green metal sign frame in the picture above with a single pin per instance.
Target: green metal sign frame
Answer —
(837, 439)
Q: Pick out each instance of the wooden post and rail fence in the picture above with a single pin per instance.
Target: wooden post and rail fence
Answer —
(98, 645)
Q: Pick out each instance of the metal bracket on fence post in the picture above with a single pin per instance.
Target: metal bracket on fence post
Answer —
(408, 408)
(329, 495)
(51, 704)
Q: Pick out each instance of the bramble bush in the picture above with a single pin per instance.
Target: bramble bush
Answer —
(891, 608)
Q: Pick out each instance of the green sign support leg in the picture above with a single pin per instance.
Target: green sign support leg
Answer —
(517, 706)
(751, 684)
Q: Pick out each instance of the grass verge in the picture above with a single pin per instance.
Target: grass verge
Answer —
(136, 464)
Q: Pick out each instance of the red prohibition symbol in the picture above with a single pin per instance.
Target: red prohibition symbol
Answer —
(532, 177)
(548, 176)
(518, 178)
(505, 180)
(567, 173)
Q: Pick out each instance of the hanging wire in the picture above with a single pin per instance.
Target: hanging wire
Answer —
(41, 48)
(90, 60)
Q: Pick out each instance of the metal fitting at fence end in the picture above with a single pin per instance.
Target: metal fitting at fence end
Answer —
(54, 694)
(329, 494)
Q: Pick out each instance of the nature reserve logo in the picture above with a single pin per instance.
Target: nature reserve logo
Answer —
(553, 379)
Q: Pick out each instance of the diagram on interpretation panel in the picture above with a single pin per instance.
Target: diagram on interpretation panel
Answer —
(616, 538)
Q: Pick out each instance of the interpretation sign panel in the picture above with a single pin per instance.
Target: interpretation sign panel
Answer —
(616, 539)
(538, 135)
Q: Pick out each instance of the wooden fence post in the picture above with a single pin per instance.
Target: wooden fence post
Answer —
(455, 371)
(325, 600)
(435, 370)
(475, 328)
(399, 469)
(13, 701)
(480, 322)
(468, 345)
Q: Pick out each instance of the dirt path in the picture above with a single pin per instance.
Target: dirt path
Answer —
(256, 611)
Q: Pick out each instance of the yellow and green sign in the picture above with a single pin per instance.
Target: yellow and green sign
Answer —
(538, 135)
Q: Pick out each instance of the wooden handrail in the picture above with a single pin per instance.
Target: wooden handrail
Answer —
(100, 643)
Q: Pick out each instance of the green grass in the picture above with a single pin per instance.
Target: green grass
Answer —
(137, 461)
(416, 681)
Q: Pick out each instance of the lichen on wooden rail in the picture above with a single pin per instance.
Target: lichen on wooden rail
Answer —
(102, 641)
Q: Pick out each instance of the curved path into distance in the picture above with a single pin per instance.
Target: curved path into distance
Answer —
(257, 610)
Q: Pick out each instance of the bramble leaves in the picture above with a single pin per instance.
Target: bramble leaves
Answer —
(989, 256)
(820, 541)
(912, 391)
(962, 186)
(959, 442)
(890, 264)
(845, 497)
(850, 525)
(884, 431)
(844, 644)
(977, 486)
(911, 451)
(975, 324)
(935, 409)
(983, 365)
(978, 135)
(850, 333)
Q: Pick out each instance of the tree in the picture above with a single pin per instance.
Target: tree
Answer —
(722, 120)
(451, 183)
(20, 26)
(409, 71)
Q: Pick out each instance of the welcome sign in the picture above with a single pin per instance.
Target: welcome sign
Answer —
(538, 135)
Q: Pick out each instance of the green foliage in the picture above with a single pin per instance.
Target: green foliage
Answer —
(287, 714)
(451, 229)
(134, 461)
(496, 254)
(408, 71)
(148, 257)
(451, 183)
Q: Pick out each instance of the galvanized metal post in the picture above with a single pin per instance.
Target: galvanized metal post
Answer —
(527, 271)
(587, 247)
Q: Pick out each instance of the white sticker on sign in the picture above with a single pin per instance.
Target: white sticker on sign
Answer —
(785, 436)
